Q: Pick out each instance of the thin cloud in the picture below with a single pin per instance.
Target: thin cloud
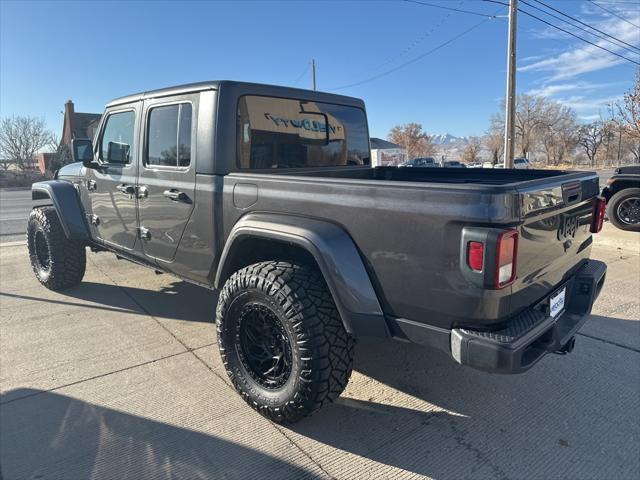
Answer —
(590, 118)
(584, 59)
(550, 90)
(585, 106)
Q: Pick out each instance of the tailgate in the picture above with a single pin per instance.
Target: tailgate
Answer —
(554, 238)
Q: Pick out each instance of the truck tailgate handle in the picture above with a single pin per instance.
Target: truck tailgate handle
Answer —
(571, 192)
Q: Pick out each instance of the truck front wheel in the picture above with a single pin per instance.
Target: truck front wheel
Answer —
(623, 209)
(282, 341)
(57, 262)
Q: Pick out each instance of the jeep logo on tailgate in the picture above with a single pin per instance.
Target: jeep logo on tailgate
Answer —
(568, 227)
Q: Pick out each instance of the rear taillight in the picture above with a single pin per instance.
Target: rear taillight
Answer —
(506, 254)
(597, 217)
(475, 256)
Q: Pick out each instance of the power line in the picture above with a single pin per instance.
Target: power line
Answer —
(614, 14)
(578, 37)
(418, 40)
(619, 2)
(582, 23)
(415, 59)
(301, 75)
(496, 1)
(433, 5)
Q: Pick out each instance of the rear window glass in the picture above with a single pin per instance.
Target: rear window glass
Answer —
(287, 133)
(169, 136)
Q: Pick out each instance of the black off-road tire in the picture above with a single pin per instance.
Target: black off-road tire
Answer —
(321, 351)
(57, 262)
(624, 196)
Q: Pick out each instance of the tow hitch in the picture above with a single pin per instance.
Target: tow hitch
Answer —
(567, 348)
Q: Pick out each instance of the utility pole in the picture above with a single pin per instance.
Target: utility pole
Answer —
(510, 113)
(313, 72)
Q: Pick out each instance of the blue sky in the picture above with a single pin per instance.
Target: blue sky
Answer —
(91, 52)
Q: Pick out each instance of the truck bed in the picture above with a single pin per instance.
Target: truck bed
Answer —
(408, 223)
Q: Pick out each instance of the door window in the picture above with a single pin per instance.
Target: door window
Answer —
(169, 136)
(116, 145)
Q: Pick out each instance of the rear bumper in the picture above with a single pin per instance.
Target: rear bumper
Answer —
(530, 335)
(525, 338)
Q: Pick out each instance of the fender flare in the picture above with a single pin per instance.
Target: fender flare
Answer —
(66, 200)
(336, 256)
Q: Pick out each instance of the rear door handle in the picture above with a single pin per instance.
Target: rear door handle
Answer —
(126, 189)
(176, 195)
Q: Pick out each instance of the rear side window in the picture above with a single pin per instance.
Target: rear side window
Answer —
(169, 136)
(116, 145)
(287, 133)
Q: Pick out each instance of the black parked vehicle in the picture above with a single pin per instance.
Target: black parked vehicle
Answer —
(454, 164)
(267, 193)
(623, 198)
(422, 162)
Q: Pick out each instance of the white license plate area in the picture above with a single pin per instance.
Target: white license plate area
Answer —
(556, 302)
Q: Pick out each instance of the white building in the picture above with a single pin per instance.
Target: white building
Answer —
(386, 154)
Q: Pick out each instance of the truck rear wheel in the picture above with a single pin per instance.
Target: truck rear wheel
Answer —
(623, 209)
(57, 262)
(282, 341)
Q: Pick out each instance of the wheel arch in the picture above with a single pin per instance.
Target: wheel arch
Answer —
(263, 236)
(620, 184)
(65, 199)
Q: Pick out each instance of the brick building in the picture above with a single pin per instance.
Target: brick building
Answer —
(75, 125)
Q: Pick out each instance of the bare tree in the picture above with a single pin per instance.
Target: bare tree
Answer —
(494, 138)
(632, 145)
(558, 133)
(411, 136)
(62, 153)
(536, 116)
(628, 114)
(21, 138)
(626, 117)
(591, 138)
(471, 152)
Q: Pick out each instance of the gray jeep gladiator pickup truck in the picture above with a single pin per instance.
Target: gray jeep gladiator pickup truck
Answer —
(267, 194)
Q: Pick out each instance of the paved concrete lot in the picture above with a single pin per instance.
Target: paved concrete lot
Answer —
(120, 378)
(15, 205)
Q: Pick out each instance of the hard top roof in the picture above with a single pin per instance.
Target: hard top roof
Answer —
(218, 84)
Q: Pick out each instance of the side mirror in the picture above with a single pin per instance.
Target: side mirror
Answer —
(82, 151)
(118, 152)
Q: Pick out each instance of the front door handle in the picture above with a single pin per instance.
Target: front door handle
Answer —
(126, 189)
(176, 195)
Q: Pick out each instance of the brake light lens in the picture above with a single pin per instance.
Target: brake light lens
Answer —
(597, 217)
(475, 256)
(506, 254)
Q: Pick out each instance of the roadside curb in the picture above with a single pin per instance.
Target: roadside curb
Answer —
(13, 244)
(14, 189)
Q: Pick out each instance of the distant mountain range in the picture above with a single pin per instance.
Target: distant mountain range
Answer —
(448, 140)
